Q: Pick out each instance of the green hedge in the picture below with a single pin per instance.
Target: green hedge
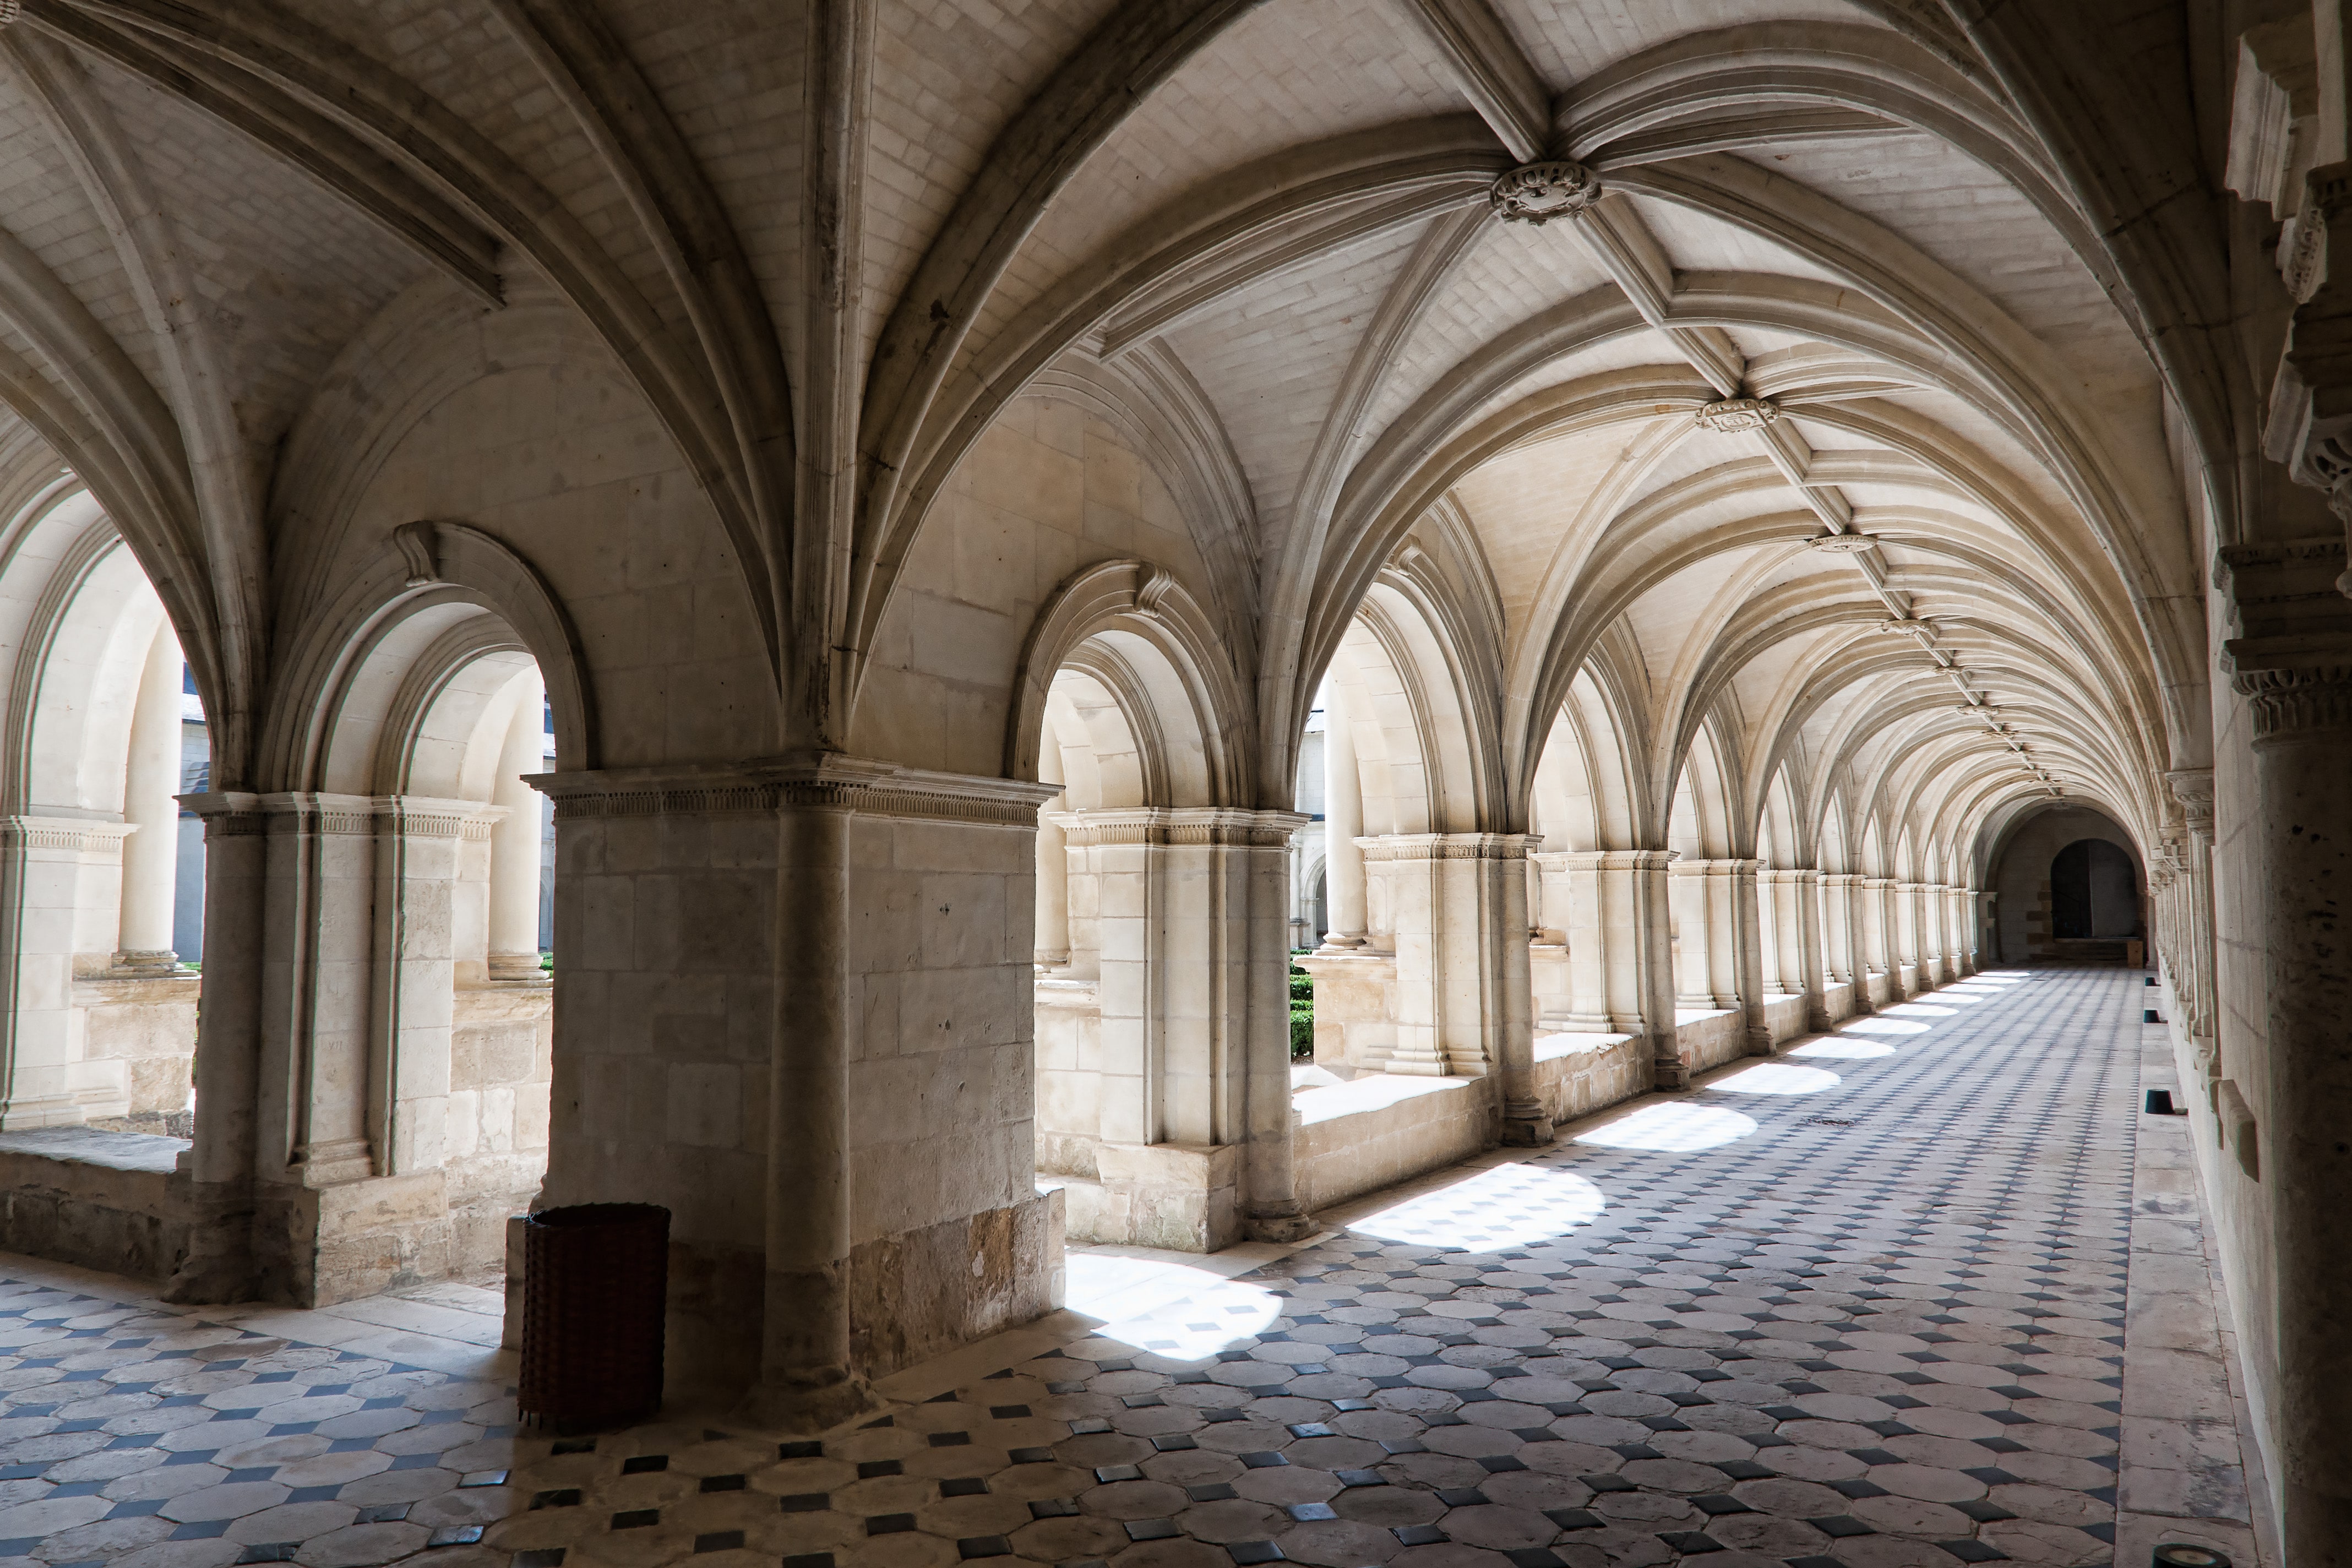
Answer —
(1302, 1014)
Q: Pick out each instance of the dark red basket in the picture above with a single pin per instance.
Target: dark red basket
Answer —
(595, 1279)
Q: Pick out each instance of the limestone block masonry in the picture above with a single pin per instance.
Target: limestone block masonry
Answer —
(785, 986)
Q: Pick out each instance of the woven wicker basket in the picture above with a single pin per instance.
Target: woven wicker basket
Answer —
(596, 1279)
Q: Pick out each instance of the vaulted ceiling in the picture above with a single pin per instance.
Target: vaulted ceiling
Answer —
(1930, 549)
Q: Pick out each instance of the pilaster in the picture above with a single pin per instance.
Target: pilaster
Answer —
(2292, 664)
(60, 893)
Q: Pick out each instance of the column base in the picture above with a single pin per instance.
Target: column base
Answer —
(145, 965)
(1759, 1040)
(798, 1408)
(218, 1266)
(1667, 1075)
(511, 968)
(1533, 1130)
(1282, 1226)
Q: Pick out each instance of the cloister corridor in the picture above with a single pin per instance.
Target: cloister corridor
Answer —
(1930, 1288)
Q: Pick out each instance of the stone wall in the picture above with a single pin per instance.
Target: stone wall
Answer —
(150, 1027)
(1578, 1074)
(1383, 1129)
(104, 1200)
(1784, 1016)
(501, 1062)
(1709, 1039)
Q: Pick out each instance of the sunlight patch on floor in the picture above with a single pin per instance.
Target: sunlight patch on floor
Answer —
(1844, 1050)
(1678, 1128)
(1875, 1024)
(1506, 1205)
(1168, 1308)
(1776, 1078)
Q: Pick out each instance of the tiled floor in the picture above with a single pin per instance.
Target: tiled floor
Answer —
(1862, 1306)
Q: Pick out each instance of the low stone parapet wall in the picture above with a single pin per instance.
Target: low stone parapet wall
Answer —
(1784, 1017)
(1578, 1074)
(1385, 1128)
(103, 1200)
(1712, 1038)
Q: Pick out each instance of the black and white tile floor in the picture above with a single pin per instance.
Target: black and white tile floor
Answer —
(1864, 1308)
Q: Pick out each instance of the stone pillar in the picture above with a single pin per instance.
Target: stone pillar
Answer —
(1184, 926)
(2194, 788)
(151, 806)
(1622, 951)
(60, 896)
(2292, 666)
(1810, 952)
(787, 986)
(1053, 950)
(218, 1169)
(1572, 900)
(1343, 825)
(1850, 895)
(1527, 1122)
(1738, 878)
(1254, 847)
(515, 843)
(1458, 903)
(1775, 895)
(1690, 928)
(1876, 947)
(1837, 927)
(1907, 938)
(1725, 954)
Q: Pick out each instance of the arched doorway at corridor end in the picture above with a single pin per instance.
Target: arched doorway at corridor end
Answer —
(2069, 888)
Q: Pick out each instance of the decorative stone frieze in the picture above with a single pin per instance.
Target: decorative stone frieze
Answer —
(1733, 415)
(1540, 192)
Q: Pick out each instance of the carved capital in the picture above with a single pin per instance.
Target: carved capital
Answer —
(1539, 193)
(2194, 788)
(2297, 701)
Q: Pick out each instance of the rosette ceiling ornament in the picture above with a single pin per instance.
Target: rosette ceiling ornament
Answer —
(1732, 415)
(1539, 192)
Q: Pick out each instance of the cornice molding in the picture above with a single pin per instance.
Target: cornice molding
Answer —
(77, 834)
(1389, 848)
(828, 780)
(1222, 827)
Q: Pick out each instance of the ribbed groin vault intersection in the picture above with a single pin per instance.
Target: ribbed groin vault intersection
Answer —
(1463, 783)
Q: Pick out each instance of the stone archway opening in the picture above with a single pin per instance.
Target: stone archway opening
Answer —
(2094, 892)
(100, 880)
